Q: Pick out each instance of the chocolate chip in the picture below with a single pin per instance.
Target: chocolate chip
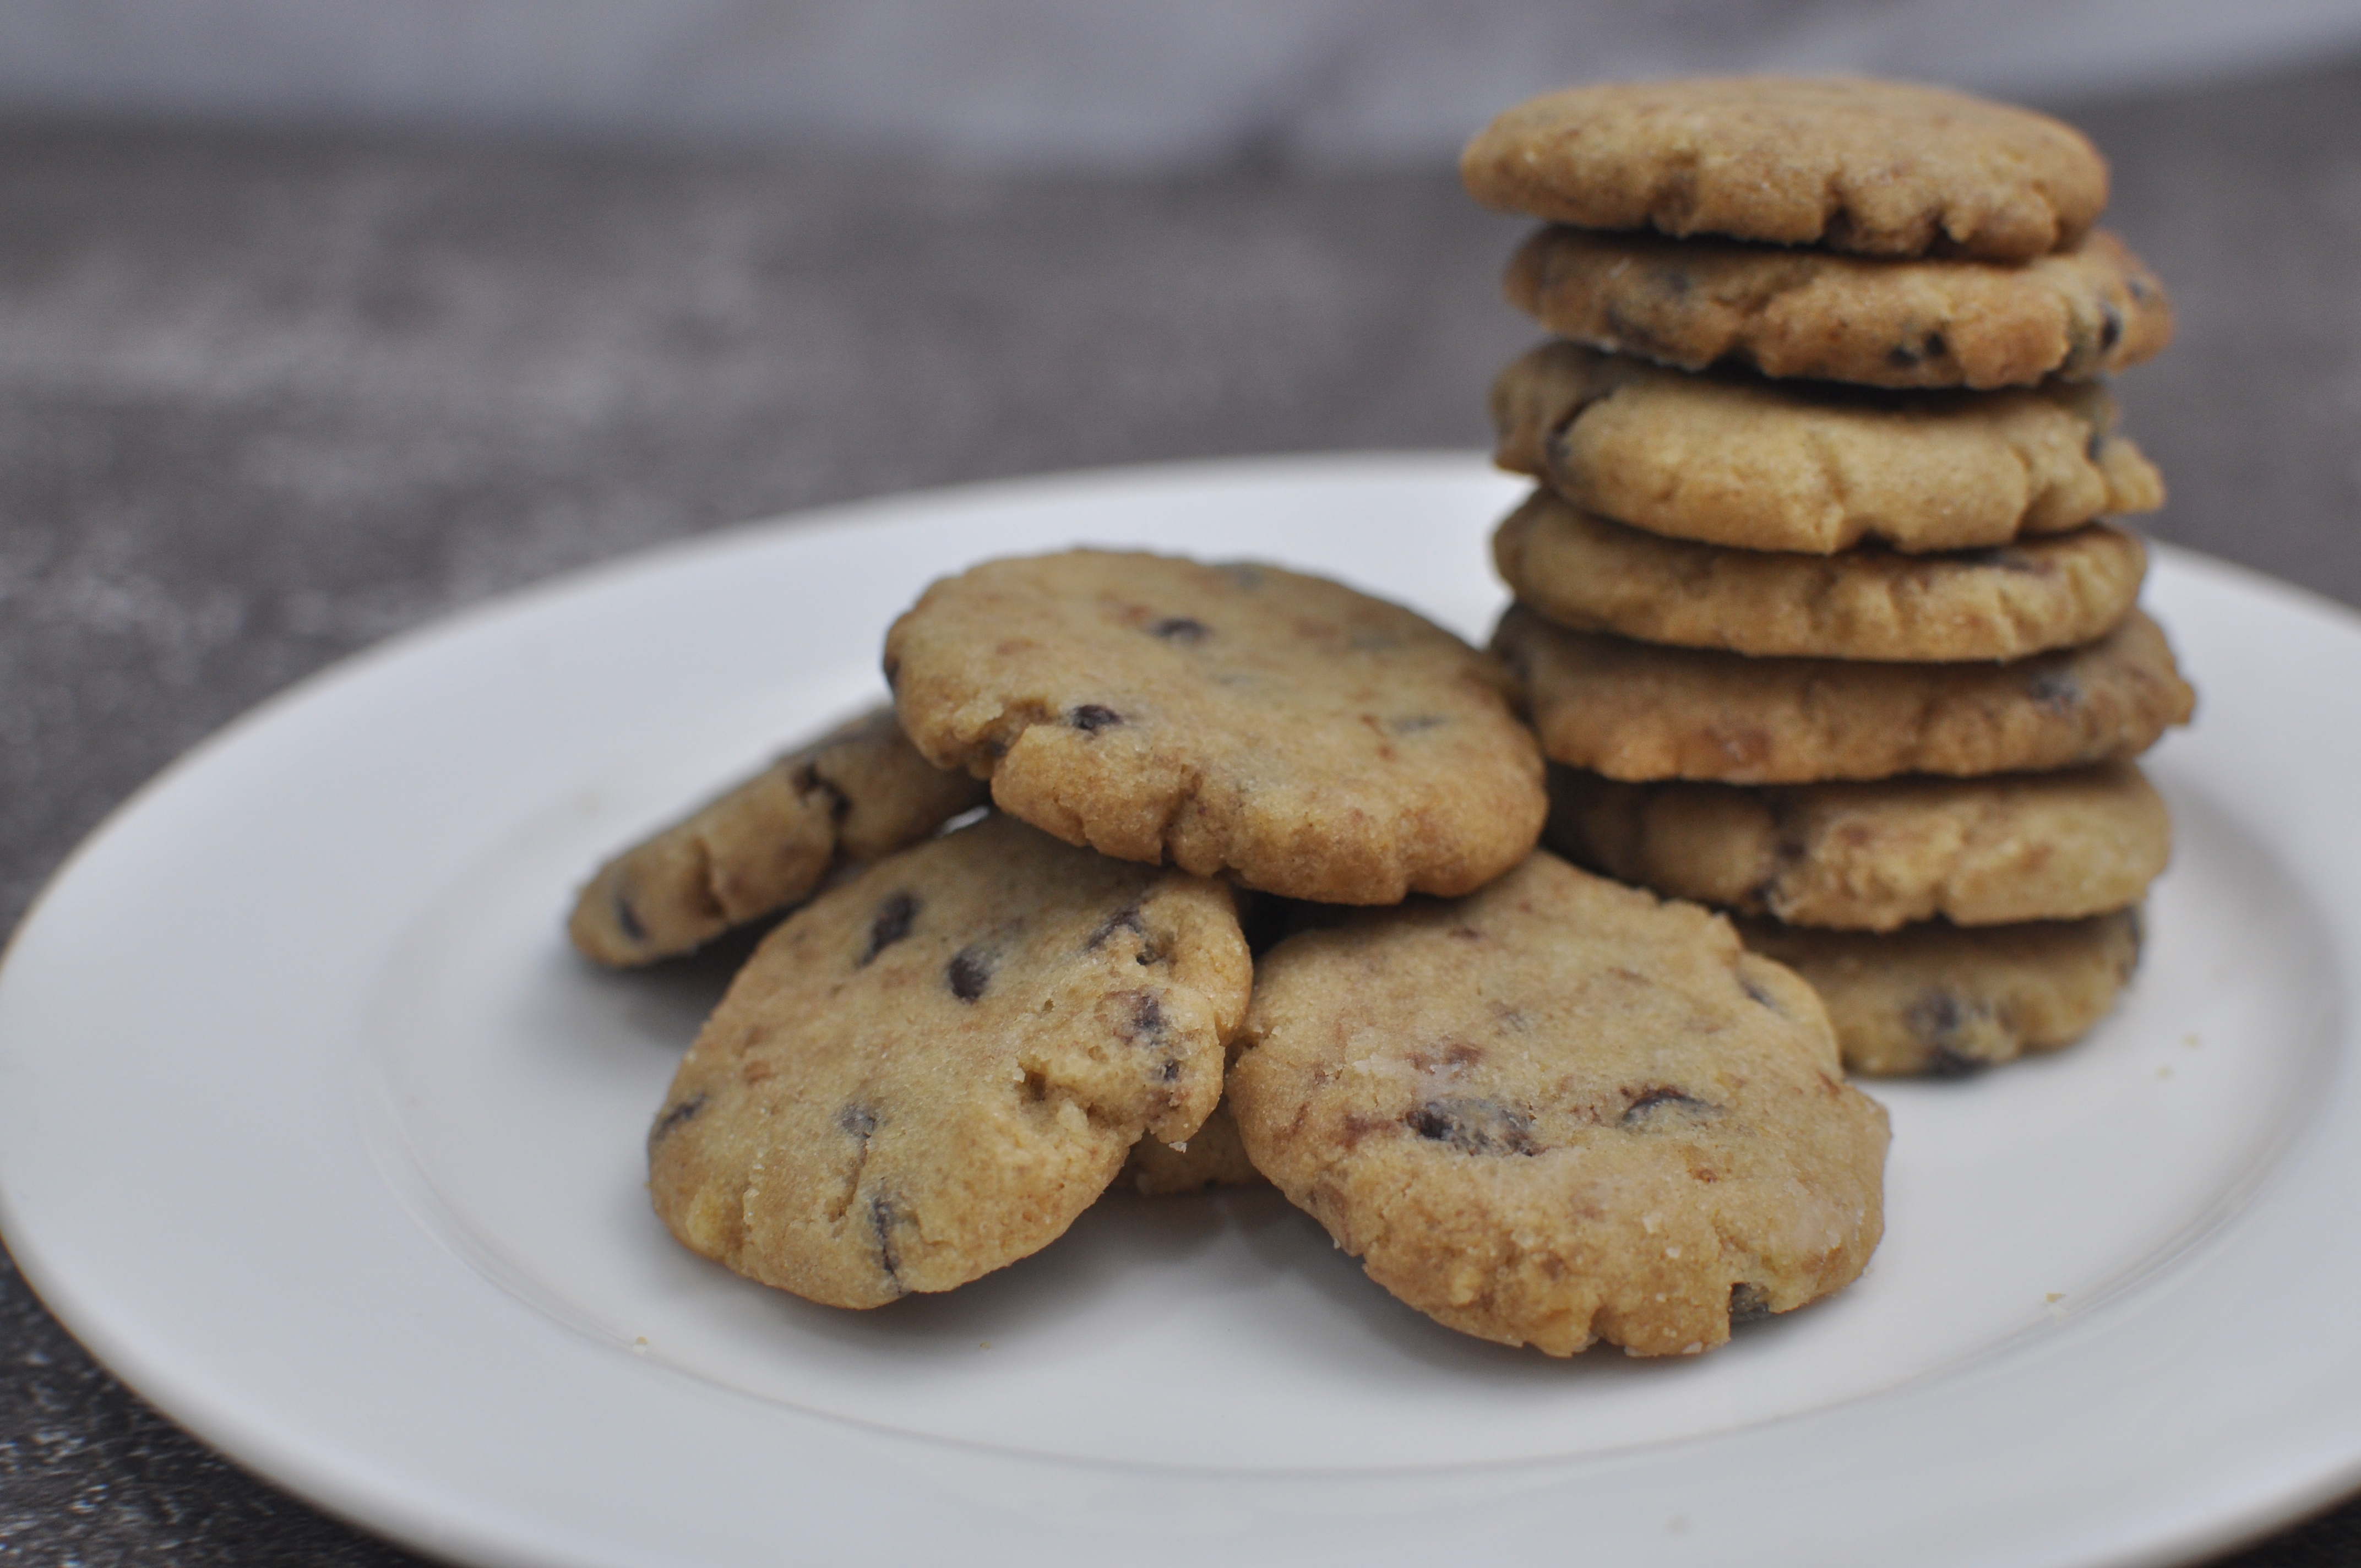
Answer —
(672, 1117)
(2138, 286)
(626, 919)
(1934, 347)
(1909, 357)
(1124, 920)
(1944, 1062)
(1474, 1126)
(1147, 1016)
(968, 971)
(1747, 1303)
(893, 924)
(1647, 1100)
(1673, 281)
(2110, 325)
(2054, 689)
(859, 1121)
(1939, 1021)
(1171, 1069)
(882, 1217)
(1180, 628)
(1755, 991)
(1089, 719)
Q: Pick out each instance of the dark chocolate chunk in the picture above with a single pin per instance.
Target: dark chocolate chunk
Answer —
(1180, 628)
(1747, 1303)
(673, 1116)
(893, 924)
(2110, 325)
(1649, 1098)
(1473, 1125)
(968, 971)
(1757, 993)
(2056, 690)
(1939, 1021)
(882, 1218)
(859, 1121)
(628, 918)
(1147, 1016)
(1089, 717)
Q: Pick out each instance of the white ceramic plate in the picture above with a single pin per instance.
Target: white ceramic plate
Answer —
(312, 1129)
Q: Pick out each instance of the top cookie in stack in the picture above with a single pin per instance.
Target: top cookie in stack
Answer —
(1823, 465)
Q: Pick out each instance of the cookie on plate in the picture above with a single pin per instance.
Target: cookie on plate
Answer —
(1584, 572)
(1874, 856)
(1560, 1111)
(1943, 1001)
(927, 1072)
(1880, 167)
(1732, 459)
(1306, 739)
(1637, 712)
(857, 793)
(2074, 315)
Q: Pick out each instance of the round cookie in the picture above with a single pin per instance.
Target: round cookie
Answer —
(2075, 315)
(1880, 167)
(1637, 712)
(1560, 1111)
(927, 1072)
(1213, 1156)
(1584, 572)
(1309, 740)
(1939, 1001)
(1874, 856)
(1756, 465)
(857, 793)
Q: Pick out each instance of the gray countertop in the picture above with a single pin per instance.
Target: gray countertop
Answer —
(267, 399)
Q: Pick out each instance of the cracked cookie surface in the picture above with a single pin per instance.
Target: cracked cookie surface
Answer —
(1637, 712)
(1559, 1110)
(857, 793)
(1879, 168)
(927, 1072)
(1939, 1000)
(1869, 602)
(1875, 856)
(1729, 458)
(2074, 315)
(1306, 739)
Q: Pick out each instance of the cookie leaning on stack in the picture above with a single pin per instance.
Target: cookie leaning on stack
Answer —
(1822, 465)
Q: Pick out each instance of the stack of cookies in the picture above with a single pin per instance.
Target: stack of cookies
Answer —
(1818, 618)
(1545, 1109)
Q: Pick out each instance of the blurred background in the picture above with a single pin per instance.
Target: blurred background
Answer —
(319, 318)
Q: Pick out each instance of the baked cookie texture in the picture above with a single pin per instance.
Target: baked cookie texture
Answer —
(1561, 1111)
(927, 1072)
(2074, 315)
(1637, 712)
(2005, 602)
(1939, 1000)
(1308, 739)
(857, 793)
(1880, 167)
(1878, 855)
(1735, 460)
(1211, 1157)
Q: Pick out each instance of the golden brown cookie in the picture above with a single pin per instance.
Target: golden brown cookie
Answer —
(2075, 315)
(857, 793)
(1729, 458)
(1309, 740)
(1941, 1001)
(1636, 711)
(1869, 602)
(1881, 167)
(1876, 855)
(929, 1072)
(1211, 1157)
(1560, 1111)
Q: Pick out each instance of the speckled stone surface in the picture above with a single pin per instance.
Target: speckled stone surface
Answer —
(264, 401)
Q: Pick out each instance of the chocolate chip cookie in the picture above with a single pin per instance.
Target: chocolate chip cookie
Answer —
(1561, 1111)
(1308, 739)
(927, 1072)
(857, 793)
(1733, 459)
(1880, 167)
(1874, 856)
(1869, 602)
(1637, 712)
(2074, 315)
(1942, 1001)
